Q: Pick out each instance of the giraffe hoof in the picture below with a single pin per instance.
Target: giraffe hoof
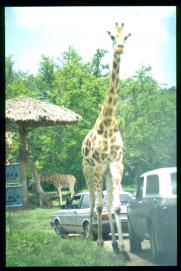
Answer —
(124, 254)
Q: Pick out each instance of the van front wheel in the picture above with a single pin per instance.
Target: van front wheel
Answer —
(155, 255)
(135, 242)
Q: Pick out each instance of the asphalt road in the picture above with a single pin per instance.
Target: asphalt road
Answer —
(143, 258)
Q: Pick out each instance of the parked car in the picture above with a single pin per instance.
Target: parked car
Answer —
(153, 214)
(74, 217)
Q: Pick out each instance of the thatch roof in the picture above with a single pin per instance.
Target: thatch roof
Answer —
(34, 113)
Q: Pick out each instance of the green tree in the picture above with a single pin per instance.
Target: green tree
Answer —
(17, 82)
(147, 117)
(96, 66)
(146, 114)
(47, 69)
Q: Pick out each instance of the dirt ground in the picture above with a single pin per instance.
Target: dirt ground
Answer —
(140, 259)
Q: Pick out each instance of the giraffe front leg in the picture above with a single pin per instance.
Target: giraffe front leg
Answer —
(122, 251)
(116, 169)
(109, 199)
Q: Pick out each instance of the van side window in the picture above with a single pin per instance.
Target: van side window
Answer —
(139, 192)
(174, 183)
(152, 185)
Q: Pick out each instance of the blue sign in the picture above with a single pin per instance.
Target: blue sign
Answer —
(12, 173)
(14, 196)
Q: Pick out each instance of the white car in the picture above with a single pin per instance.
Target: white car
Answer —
(74, 216)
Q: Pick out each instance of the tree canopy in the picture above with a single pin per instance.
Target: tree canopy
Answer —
(146, 114)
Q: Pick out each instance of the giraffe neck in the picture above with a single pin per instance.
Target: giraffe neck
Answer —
(110, 104)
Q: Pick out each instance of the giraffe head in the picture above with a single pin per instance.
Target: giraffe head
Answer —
(119, 39)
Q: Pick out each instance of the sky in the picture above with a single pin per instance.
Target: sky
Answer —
(31, 32)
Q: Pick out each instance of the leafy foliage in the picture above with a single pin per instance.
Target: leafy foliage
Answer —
(146, 114)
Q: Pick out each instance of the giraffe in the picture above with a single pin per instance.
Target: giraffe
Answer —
(102, 154)
(9, 143)
(59, 181)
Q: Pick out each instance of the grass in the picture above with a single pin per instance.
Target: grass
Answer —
(31, 241)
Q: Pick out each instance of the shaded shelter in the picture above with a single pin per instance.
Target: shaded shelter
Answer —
(29, 113)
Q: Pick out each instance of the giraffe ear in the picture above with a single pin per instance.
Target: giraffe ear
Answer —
(127, 37)
(112, 37)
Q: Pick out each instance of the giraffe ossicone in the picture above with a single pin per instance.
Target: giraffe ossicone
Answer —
(102, 154)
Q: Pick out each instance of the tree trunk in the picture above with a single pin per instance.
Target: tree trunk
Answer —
(43, 198)
(22, 158)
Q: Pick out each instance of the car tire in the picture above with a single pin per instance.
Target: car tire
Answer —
(86, 230)
(155, 255)
(135, 242)
(59, 230)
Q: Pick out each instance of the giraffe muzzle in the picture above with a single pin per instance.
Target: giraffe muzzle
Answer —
(120, 49)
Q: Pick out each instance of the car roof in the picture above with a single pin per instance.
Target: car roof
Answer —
(160, 171)
(104, 193)
(81, 193)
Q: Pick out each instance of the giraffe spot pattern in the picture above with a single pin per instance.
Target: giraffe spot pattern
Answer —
(96, 157)
(105, 134)
(112, 90)
(100, 128)
(107, 122)
(110, 111)
(116, 84)
(86, 151)
(113, 77)
(114, 64)
(110, 100)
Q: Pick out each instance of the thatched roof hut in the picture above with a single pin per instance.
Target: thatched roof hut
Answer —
(29, 113)
(35, 113)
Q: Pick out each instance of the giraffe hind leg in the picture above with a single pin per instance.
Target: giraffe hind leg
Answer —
(91, 213)
(99, 208)
(88, 176)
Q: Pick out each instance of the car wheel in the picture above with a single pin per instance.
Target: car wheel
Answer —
(135, 242)
(59, 230)
(86, 231)
(155, 255)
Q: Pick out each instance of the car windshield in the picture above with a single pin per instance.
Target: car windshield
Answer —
(124, 198)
